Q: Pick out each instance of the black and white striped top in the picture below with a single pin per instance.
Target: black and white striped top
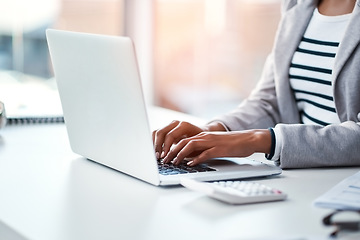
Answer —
(311, 72)
(311, 69)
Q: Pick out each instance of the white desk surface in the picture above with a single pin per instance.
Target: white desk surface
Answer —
(48, 193)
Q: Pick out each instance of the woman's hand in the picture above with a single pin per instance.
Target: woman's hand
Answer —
(165, 137)
(206, 145)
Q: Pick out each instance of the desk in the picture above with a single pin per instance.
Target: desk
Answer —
(49, 193)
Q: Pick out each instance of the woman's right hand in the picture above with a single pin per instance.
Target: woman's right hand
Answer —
(166, 137)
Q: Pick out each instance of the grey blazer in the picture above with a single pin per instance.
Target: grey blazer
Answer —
(272, 103)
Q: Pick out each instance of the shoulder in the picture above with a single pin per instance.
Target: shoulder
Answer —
(286, 5)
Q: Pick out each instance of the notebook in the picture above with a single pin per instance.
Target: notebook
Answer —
(29, 99)
(105, 114)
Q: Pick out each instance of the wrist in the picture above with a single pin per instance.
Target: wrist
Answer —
(214, 127)
(262, 141)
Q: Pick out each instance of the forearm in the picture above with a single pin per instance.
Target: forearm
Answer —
(259, 139)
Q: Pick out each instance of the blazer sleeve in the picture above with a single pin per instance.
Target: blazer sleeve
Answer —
(305, 146)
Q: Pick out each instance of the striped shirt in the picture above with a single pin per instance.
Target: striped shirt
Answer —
(311, 69)
(311, 72)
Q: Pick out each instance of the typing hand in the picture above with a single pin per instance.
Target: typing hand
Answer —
(166, 137)
(207, 145)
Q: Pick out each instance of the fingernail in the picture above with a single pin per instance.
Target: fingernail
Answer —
(157, 154)
(163, 154)
(189, 163)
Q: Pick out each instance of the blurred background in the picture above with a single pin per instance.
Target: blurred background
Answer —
(200, 57)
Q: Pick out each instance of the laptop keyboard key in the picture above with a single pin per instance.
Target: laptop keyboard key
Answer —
(169, 169)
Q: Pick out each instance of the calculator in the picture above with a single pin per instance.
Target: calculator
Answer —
(235, 192)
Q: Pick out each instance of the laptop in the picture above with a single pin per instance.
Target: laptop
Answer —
(106, 116)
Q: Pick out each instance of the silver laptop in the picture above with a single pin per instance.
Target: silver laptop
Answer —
(105, 113)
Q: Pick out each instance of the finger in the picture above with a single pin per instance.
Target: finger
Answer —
(156, 148)
(204, 156)
(181, 131)
(173, 137)
(153, 134)
(192, 146)
(159, 137)
(171, 155)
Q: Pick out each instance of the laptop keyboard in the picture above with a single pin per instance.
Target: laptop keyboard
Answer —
(170, 169)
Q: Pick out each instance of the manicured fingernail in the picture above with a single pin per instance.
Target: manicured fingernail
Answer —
(189, 163)
(157, 154)
(163, 154)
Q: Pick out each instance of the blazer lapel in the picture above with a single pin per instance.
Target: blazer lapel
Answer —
(291, 31)
(289, 36)
(350, 40)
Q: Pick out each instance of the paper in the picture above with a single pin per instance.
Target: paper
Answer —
(343, 196)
